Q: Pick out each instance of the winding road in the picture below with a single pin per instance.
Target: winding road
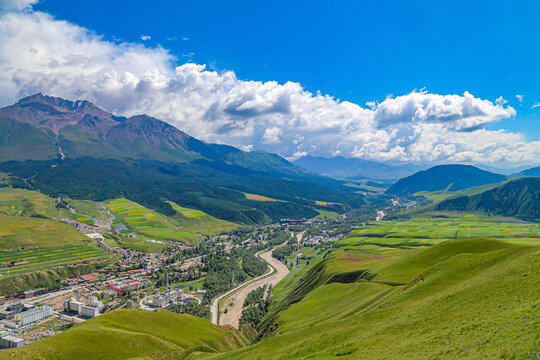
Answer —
(276, 272)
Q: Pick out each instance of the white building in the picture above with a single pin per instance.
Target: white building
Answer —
(95, 236)
(10, 341)
(89, 311)
(35, 314)
(166, 298)
(72, 305)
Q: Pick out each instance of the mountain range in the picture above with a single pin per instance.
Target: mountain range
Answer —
(76, 149)
(451, 177)
(357, 169)
(73, 129)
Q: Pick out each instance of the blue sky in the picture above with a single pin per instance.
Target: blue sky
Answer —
(358, 51)
(425, 82)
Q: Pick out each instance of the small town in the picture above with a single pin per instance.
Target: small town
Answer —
(135, 279)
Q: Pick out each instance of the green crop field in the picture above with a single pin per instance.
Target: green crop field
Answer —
(187, 225)
(126, 334)
(27, 203)
(326, 214)
(23, 232)
(138, 244)
(433, 230)
(47, 257)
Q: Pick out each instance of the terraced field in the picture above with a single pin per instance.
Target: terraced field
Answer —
(45, 258)
(187, 225)
(27, 203)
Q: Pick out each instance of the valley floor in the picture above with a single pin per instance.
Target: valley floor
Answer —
(236, 298)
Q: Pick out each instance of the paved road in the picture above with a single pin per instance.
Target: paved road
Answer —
(238, 294)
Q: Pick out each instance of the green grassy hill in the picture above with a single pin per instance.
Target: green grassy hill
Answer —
(460, 299)
(19, 232)
(129, 334)
(519, 198)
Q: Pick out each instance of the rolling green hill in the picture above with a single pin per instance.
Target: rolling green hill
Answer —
(444, 177)
(129, 334)
(519, 198)
(459, 299)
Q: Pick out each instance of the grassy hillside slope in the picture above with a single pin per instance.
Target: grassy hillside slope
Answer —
(479, 300)
(127, 334)
(519, 198)
(19, 232)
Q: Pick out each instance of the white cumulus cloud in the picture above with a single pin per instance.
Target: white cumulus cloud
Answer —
(41, 54)
(17, 4)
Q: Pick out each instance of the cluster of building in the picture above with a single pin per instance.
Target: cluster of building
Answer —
(289, 222)
(170, 297)
(166, 298)
(126, 285)
(90, 308)
(18, 315)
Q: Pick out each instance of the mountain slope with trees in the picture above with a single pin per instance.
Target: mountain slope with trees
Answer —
(519, 198)
(444, 177)
(77, 150)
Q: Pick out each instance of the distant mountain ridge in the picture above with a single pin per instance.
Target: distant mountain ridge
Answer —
(519, 198)
(356, 169)
(535, 172)
(80, 128)
(75, 149)
(444, 177)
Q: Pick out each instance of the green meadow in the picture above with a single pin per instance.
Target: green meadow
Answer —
(27, 203)
(431, 231)
(326, 214)
(138, 244)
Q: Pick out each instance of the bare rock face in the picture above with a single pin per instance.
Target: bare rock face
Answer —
(150, 130)
(56, 113)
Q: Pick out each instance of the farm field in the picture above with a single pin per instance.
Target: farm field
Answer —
(187, 225)
(27, 203)
(326, 214)
(433, 230)
(137, 244)
(19, 232)
(47, 257)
